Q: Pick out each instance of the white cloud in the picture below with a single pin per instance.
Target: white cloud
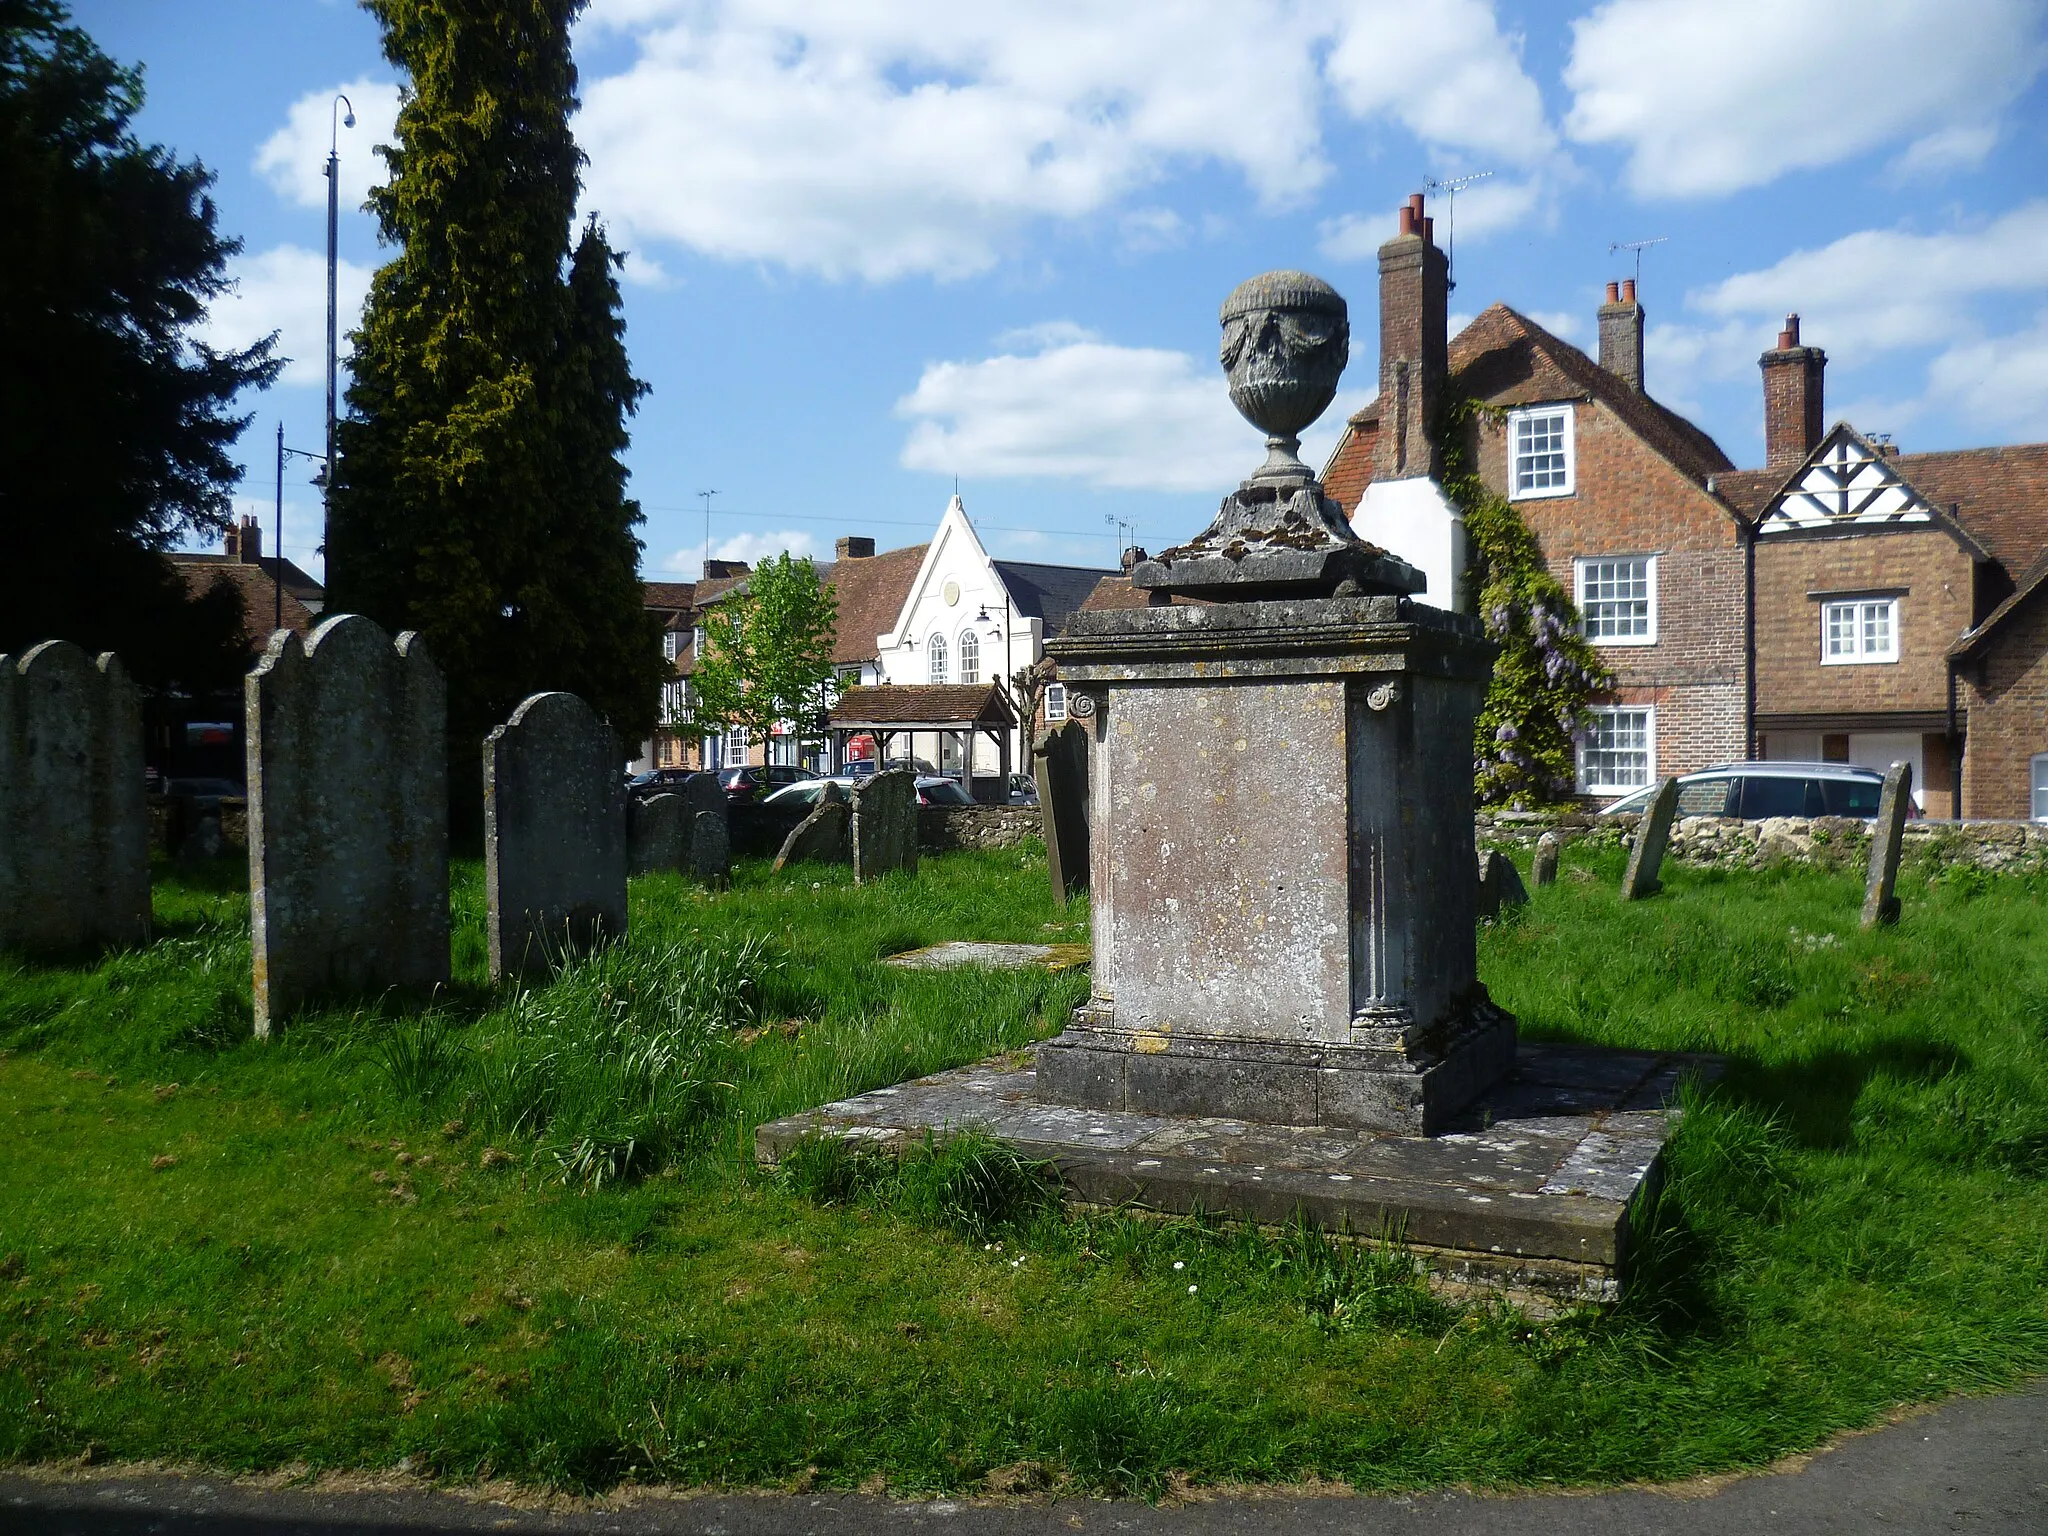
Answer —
(924, 136)
(1950, 149)
(1710, 96)
(2001, 379)
(1881, 289)
(1117, 417)
(750, 547)
(284, 289)
(1559, 322)
(294, 159)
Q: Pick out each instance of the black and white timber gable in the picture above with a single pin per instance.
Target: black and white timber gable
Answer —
(1845, 483)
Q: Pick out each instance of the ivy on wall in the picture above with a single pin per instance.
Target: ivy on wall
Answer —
(1524, 748)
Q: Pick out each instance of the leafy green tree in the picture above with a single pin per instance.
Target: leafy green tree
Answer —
(768, 653)
(1546, 675)
(114, 416)
(479, 496)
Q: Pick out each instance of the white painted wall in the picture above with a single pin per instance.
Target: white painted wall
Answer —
(1414, 519)
(1880, 749)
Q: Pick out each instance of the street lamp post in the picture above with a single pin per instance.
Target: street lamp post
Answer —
(348, 120)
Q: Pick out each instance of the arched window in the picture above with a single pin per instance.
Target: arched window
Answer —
(938, 659)
(970, 656)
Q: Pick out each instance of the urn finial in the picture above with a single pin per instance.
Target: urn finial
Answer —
(1286, 339)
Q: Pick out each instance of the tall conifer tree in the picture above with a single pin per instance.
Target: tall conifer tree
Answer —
(479, 496)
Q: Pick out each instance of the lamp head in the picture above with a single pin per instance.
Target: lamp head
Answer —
(348, 119)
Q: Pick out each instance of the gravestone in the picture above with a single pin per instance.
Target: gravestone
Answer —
(657, 834)
(884, 834)
(824, 836)
(1500, 884)
(1880, 886)
(74, 822)
(348, 816)
(1653, 836)
(1060, 763)
(1544, 866)
(554, 835)
(711, 848)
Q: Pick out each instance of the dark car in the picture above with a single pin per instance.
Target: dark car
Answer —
(657, 781)
(937, 791)
(1756, 790)
(753, 782)
(1023, 789)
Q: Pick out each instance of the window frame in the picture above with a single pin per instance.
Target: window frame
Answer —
(1055, 703)
(1579, 564)
(937, 661)
(1861, 657)
(1569, 449)
(671, 644)
(737, 746)
(2037, 786)
(969, 651)
(1586, 785)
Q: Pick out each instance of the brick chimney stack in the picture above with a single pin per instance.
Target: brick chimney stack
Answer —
(725, 570)
(1621, 334)
(244, 542)
(854, 548)
(1414, 302)
(1793, 377)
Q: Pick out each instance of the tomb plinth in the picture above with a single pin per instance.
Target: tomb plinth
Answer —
(1284, 904)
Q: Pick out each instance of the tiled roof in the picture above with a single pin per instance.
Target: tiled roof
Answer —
(1049, 593)
(1748, 491)
(668, 594)
(922, 704)
(1114, 592)
(303, 596)
(1507, 359)
(2000, 495)
(871, 593)
(1350, 468)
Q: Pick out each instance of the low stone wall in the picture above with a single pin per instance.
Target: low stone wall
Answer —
(169, 817)
(943, 828)
(2019, 847)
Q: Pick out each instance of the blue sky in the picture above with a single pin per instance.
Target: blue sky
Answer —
(877, 245)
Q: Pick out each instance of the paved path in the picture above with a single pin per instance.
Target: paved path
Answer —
(1979, 1465)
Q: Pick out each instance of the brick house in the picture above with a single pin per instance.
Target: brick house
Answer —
(1619, 491)
(2002, 670)
(275, 592)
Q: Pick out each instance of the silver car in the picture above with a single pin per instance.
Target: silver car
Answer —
(1753, 791)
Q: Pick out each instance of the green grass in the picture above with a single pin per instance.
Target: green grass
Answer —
(517, 1233)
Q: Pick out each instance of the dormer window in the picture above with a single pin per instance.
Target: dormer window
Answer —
(671, 644)
(1540, 452)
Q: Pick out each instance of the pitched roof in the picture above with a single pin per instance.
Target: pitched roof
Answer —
(668, 594)
(1749, 491)
(1507, 359)
(2000, 495)
(2032, 581)
(871, 593)
(302, 600)
(1114, 592)
(1051, 594)
(923, 704)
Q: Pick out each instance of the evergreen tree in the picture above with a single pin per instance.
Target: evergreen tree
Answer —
(478, 495)
(768, 653)
(114, 417)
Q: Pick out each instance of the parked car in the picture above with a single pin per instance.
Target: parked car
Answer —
(656, 781)
(753, 782)
(932, 790)
(863, 767)
(810, 791)
(1023, 789)
(1753, 791)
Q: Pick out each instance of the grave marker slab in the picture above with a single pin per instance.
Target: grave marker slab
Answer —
(1500, 884)
(348, 816)
(1880, 886)
(1544, 867)
(1060, 764)
(657, 834)
(824, 836)
(711, 848)
(884, 833)
(1653, 836)
(74, 822)
(554, 835)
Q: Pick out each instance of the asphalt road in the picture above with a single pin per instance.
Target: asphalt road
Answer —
(1978, 1465)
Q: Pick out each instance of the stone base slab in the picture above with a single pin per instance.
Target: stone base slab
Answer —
(1375, 1087)
(1527, 1195)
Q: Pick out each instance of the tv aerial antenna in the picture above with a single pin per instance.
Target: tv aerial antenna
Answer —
(1638, 246)
(1451, 187)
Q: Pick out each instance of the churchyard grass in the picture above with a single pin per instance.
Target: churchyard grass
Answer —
(516, 1233)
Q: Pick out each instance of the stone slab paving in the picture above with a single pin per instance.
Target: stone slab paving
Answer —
(1976, 1464)
(1528, 1194)
(961, 954)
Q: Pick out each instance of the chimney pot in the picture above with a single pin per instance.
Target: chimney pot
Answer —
(1406, 224)
(854, 548)
(1788, 338)
(1429, 230)
(246, 545)
(1415, 205)
(1628, 290)
(1614, 293)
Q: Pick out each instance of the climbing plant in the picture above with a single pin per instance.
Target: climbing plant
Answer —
(1536, 710)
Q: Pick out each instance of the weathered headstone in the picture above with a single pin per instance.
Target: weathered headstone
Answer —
(348, 816)
(1880, 886)
(74, 823)
(1544, 866)
(657, 834)
(1060, 764)
(711, 848)
(554, 835)
(884, 832)
(824, 836)
(1500, 884)
(1653, 836)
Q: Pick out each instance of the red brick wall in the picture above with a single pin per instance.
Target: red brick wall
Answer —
(1935, 579)
(2006, 695)
(1630, 501)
